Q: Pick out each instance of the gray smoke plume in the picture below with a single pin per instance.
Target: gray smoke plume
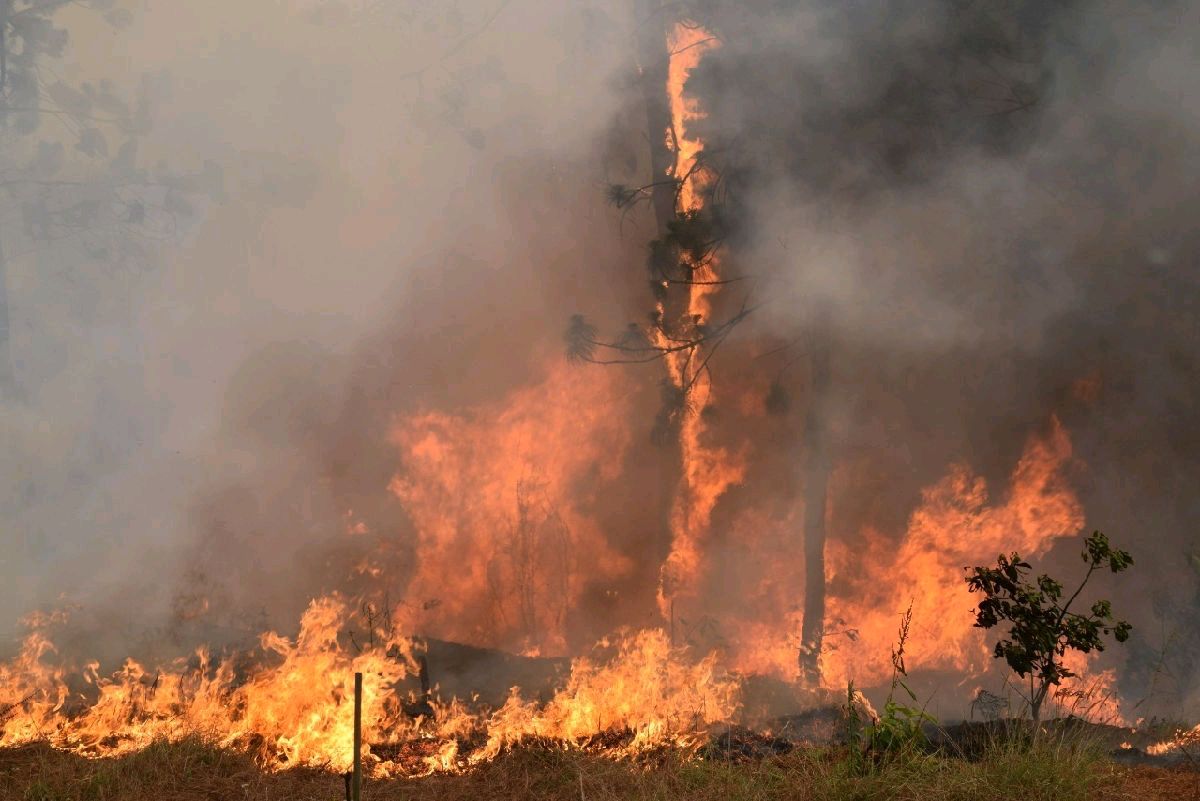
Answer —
(995, 201)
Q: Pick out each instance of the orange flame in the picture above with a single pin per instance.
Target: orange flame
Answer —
(708, 470)
(646, 689)
(498, 496)
(955, 525)
(688, 44)
(495, 494)
(298, 711)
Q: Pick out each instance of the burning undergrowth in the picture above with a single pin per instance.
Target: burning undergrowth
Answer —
(287, 703)
(286, 700)
(465, 544)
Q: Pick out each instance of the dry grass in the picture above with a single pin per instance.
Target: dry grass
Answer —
(192, 770)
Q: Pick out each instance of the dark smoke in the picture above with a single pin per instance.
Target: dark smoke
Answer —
(996, 200)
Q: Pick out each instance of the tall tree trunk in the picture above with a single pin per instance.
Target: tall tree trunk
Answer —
(816, 490)
(653, 26)
(654, 60)
(8, 378)
(655, 57)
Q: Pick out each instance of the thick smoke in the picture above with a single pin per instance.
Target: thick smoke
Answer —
(993, 199)
(412, 204)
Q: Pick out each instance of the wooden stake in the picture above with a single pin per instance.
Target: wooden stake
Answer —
(356, 778)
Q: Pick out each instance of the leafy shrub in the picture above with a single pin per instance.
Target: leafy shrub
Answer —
(1042, 628)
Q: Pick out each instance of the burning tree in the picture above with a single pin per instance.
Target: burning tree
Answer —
(690, 278)
(1042, 627)
(689, 321)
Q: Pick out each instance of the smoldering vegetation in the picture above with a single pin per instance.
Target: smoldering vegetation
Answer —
(994, 202)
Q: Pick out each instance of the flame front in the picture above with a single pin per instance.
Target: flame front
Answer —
(293, 713)
(298, 711)
(292, 706)
(501, 499)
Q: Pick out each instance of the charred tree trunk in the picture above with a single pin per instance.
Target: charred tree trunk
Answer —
(816, 491)
(654, 58)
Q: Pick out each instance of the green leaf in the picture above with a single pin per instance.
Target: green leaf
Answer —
(1040, 630)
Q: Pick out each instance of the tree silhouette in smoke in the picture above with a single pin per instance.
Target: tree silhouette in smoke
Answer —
(94, 194)
(1043, 627)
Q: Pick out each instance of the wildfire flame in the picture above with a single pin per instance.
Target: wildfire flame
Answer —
(297, 712)
(292, 707)
(498, 501)
(292, 711)
(1185, 741)
(954, 526)
(494, 496)
(708, 470)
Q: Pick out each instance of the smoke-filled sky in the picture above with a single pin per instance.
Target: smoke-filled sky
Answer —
(422, 173)
(996, 202)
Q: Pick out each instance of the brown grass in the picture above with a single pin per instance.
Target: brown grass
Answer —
(195, 771)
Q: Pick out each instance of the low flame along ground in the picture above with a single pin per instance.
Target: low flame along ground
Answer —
(460, 474)
(295, 709)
